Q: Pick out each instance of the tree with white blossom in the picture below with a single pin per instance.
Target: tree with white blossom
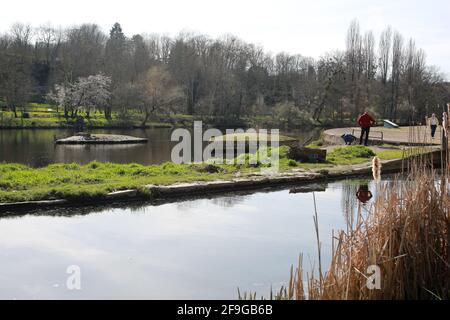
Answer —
(86, 94)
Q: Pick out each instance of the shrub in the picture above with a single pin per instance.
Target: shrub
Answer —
(94, 165)
(350, 154)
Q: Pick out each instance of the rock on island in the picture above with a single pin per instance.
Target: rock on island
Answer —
(87, 138)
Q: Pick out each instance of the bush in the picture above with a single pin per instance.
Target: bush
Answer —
(350, 152)
(94, 165)
(289, 115)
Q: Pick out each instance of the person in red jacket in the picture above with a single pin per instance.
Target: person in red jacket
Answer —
(365, 121)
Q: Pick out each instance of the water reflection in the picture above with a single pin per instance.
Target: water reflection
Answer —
(36, 147)
(356, 199)
(190, 249)
(364, 194)
(202, 248)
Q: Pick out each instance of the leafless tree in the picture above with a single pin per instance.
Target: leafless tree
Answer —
(157, 92)
(396, 69)
(223, 79)
(384, 64)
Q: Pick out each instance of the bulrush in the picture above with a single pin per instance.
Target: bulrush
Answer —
(376, 169)
(399, 249)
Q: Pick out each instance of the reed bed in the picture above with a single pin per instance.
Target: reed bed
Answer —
(405, 233)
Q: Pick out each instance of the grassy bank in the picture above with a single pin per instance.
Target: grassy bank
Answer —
(47, 116)
(43, 115)
(73, 181)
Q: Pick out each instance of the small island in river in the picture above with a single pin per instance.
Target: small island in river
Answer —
(87, 138)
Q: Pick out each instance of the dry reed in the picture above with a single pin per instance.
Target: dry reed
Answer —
(405, 233)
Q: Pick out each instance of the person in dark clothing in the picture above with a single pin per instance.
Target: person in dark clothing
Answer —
(365, 121)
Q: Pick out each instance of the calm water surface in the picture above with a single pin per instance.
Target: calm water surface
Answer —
(203, 248)
(36, 147)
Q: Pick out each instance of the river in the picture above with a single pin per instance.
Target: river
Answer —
(199, 248)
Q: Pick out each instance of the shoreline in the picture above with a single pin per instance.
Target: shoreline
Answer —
(255, 182)
(130, 127)
(155, 126)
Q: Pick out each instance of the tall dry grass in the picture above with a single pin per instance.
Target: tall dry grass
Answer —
(406, 233)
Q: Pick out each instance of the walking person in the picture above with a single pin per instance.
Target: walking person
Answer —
(433, 122)
(365, 121)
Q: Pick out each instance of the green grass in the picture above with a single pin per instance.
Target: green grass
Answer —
(315, 144)
(401, 152)
(390, 154)
(251, 137)
(42, 115)
(68, 181)
(350, 155)
(46, 116)
(74, 181)
(359, 154)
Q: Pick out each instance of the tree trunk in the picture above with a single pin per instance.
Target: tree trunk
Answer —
(107, 111)
(146, 117)
(14, 109)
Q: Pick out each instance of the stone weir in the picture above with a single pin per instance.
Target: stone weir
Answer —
(87, 138)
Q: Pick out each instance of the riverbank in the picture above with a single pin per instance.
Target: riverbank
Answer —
(45, 116)
(66, 184)
(51, 120)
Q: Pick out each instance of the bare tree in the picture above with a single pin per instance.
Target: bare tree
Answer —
(223, 79)
(384, 63)
(396, 68)
(16, 71)
(370, 64)
(157, 92)
(355, 64)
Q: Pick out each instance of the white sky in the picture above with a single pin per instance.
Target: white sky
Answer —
(307, 27)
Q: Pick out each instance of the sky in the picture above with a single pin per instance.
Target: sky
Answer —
(310, 28)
